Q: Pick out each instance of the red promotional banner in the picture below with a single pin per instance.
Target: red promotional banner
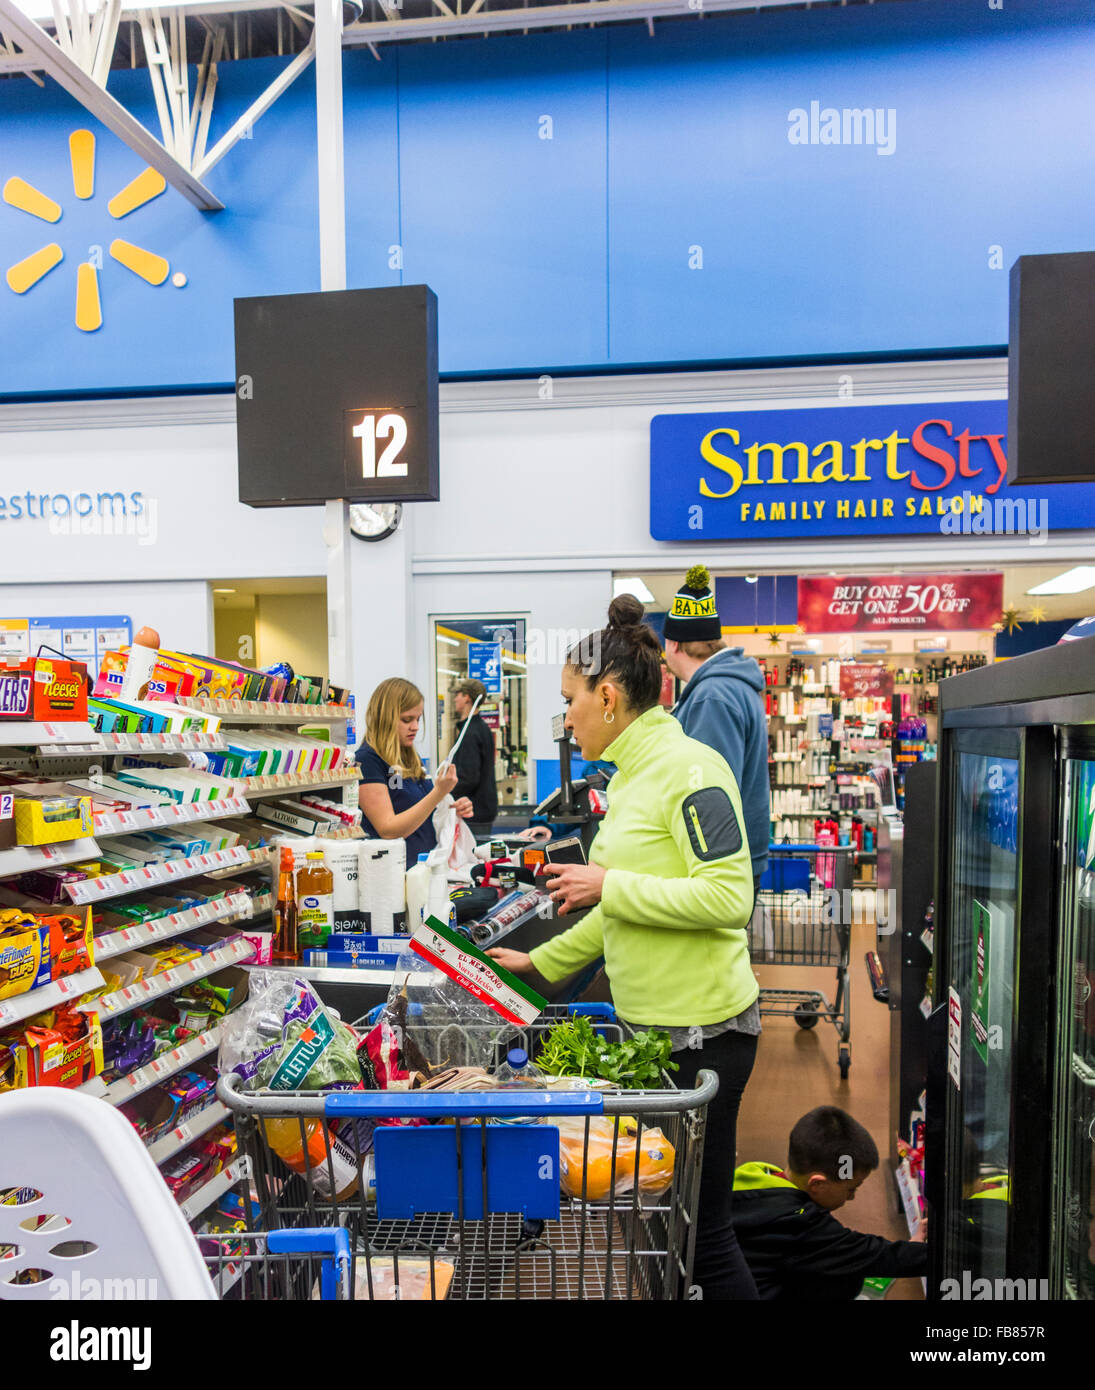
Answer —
(923, 602)
(865, 680)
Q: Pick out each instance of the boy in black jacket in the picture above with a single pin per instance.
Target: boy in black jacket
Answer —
(795, 1248)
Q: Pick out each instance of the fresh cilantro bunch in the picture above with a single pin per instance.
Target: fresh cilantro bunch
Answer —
(575, 1048)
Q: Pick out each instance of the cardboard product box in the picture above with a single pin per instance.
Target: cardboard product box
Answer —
(49, 820)
(290, 815)
(53, 1061)
(213, 680)
(71, 943)
(44, 688)
(224, 991)
(24, 954)
(167, 679)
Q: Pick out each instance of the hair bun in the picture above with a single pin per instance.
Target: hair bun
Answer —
(625, 611)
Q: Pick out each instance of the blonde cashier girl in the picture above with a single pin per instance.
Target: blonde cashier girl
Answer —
(671, 887)
(396, 797)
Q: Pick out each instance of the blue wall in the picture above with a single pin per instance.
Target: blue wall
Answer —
(575, 251)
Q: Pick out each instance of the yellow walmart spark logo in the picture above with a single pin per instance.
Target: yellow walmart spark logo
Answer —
(25, 274)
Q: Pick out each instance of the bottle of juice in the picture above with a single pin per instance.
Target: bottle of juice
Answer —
(285, 912)
(315, 902)
(337, 1178)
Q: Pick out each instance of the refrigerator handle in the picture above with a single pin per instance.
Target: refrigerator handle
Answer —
(935, 1125)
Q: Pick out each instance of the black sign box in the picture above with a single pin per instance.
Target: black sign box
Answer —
(336, 396)
(1051, 369)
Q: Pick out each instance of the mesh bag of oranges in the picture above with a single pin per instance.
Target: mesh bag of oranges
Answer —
(594, 1157)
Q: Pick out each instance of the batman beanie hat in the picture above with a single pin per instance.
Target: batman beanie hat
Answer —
(693, 616)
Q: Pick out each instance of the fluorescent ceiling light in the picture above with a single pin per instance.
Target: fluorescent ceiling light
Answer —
(224, 591)
(450, 640)
(444, 671)
(635, 586)
(1073, 581)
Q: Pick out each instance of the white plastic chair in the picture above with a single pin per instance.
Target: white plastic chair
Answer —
(113, 1230)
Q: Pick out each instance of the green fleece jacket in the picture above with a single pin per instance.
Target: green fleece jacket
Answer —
(674, 912)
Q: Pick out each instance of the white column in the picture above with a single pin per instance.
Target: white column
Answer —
(383, 618)
(332, 268)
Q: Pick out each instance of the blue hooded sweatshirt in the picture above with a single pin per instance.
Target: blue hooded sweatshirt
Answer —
(722, 707)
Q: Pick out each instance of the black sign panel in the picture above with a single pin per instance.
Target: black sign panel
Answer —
(1051, 369)
(336, 396)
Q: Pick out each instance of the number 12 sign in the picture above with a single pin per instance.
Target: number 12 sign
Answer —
(380, 438)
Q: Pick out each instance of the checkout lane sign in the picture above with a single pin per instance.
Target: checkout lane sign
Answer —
(485, 664)
(862, 470)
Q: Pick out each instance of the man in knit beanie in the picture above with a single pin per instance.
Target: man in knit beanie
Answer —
(721, 704)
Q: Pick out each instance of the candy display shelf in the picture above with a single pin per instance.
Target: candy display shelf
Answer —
(144, 991)
(198, 1124)
(158, 929)
(62, 991)
(299, 781)
(51, 739)
(194, 741)
(268, 711)
(215, 1188)
(95, 890)
(26, 858)
(174, 813)
(161, 1068)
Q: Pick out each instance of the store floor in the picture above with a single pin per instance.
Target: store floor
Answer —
(796, 1069)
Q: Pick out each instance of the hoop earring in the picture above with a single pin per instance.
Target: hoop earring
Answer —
(610, 717)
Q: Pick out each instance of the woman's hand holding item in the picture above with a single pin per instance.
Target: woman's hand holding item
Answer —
(446, 780)
(517, 962)
(464, 808)
(573, 886)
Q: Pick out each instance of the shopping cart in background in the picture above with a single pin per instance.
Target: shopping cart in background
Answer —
(803, 916)
(471, 1208)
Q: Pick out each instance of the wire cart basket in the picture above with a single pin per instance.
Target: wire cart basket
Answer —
(486, 1194)
(803, 916)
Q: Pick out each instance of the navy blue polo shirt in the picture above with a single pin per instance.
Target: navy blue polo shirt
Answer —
(410, 793)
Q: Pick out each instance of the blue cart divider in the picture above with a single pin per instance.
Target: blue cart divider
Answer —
(433, 1105)
(417, 1170)
(332, 1241)
(786, 876)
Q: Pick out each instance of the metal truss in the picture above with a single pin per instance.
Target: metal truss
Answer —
(78, 57)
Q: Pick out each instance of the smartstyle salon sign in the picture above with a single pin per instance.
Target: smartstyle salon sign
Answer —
(865, 470)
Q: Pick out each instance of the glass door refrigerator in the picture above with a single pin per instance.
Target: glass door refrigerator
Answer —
(1011, 1094)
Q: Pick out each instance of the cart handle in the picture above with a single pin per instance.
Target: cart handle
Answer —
(333, 1241)
(464, 1104)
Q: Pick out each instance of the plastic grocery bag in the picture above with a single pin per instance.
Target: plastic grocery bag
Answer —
(594, 1159)
(455, 842)
(434, 1022)
(283, 1037)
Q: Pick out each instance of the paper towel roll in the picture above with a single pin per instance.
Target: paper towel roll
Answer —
(341, 857)
(382, 884)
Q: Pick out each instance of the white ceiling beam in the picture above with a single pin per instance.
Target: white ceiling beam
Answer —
(257, 108)
(392, 29)
(79, 84)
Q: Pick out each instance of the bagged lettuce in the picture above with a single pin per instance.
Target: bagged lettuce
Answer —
(285, 1039)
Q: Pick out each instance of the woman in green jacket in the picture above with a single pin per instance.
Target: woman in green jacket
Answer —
(670, 885)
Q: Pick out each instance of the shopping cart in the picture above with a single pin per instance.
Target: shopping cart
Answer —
(86, 1216)
(471, 1208)
(803, 916)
